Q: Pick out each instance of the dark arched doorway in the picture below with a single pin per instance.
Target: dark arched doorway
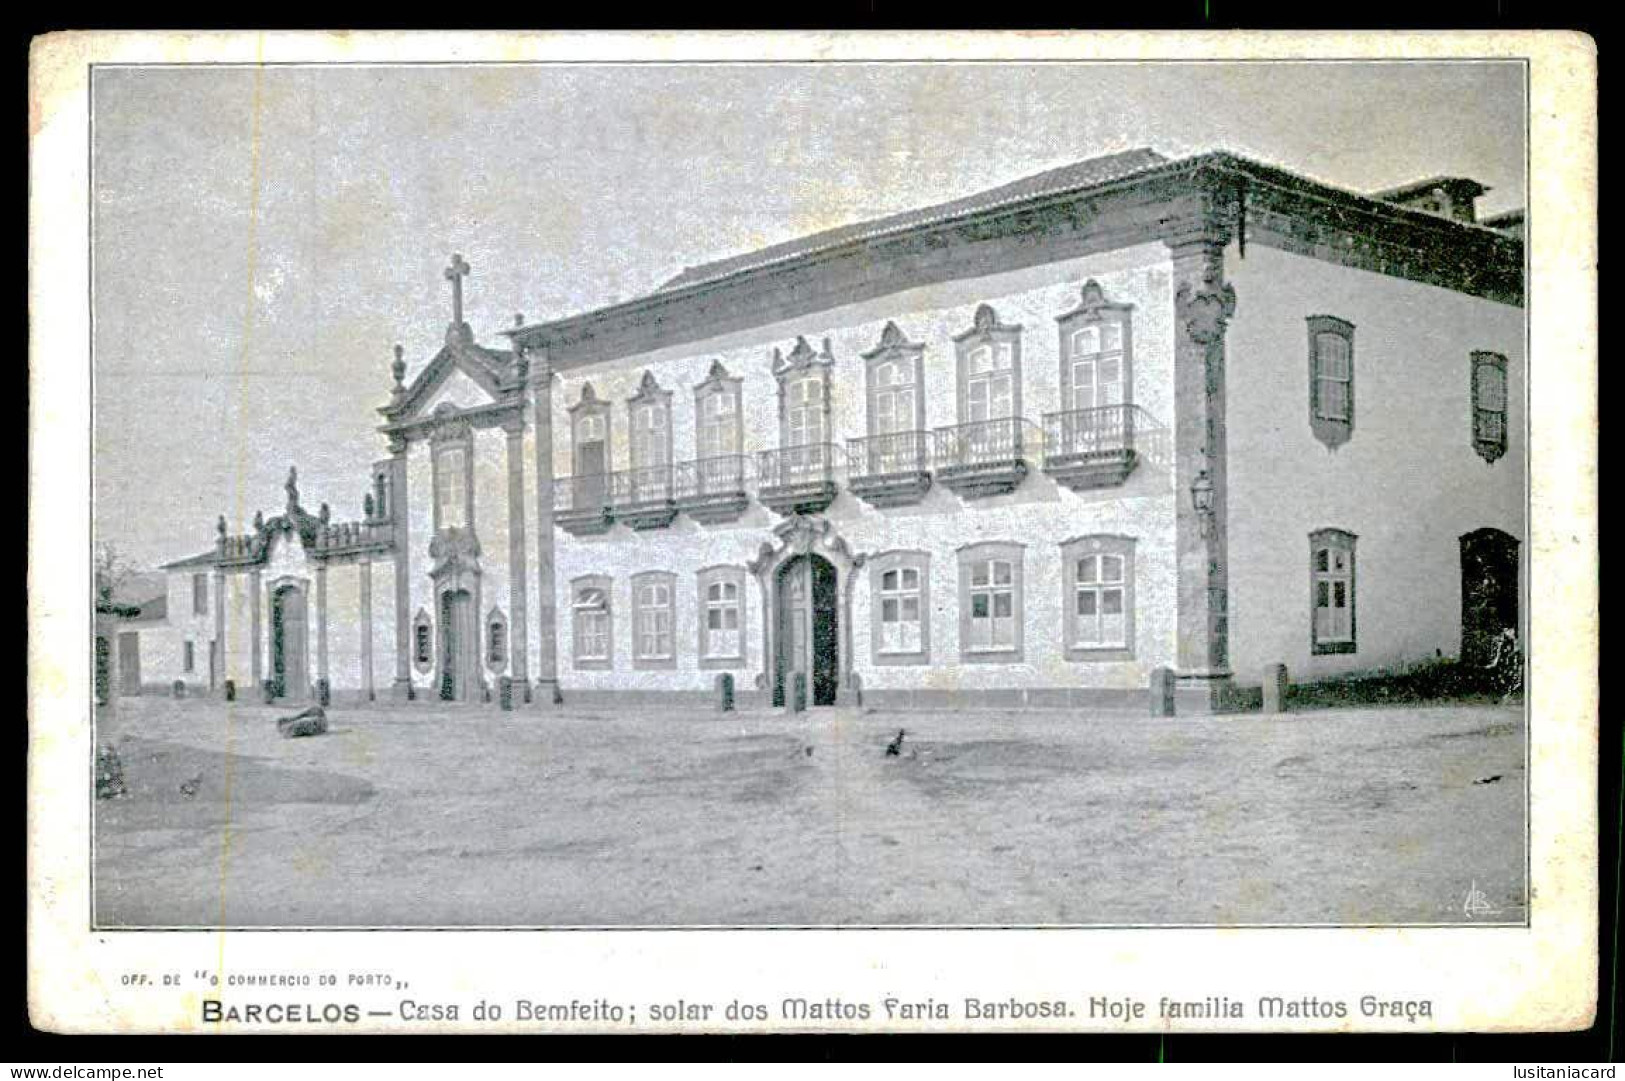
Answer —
(1489, 592)
(807, 602)
(289, 634)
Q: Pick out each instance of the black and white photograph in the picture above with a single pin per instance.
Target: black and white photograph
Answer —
(975, 493)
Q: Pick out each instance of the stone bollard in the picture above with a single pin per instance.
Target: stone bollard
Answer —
(1276, 687)
(1162, 692)
(324, 693)
(725, 692)
(178, 688)
(231, 690)
(505, 693)
(798, 693)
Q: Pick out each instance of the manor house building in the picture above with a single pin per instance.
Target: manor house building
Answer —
(1023, 448)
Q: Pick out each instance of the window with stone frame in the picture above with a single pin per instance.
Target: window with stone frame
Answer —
(200, 594)
(496, 640)
(650, 414)
(422, 642)
(1097, 359)
(654, 612)
(900, 608)
(896, 393)
(1331, 379)
(717, 406)
(1333, 623)
(592, 622)
(1489, 394)
(721, 592)
(990, 602)
(1098, 606)
(451, 490)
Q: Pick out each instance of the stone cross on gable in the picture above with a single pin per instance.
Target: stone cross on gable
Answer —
(455, 274)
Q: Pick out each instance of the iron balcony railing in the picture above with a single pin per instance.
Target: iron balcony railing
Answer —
(650, 484)
(986, 443)
(702, 477)
(587, 492)
(1103, 430)
(813, 463)
(889, 454)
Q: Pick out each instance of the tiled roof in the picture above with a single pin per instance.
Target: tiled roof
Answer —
(1461, 186)
(1081, 174)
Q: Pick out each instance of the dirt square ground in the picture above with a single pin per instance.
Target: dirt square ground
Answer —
(437, 816)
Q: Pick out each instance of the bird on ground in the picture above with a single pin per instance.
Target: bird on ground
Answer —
(190, 788)
(895, 747)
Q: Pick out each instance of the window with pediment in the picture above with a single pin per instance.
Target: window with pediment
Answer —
(1096, 352)
(717, 420)
(989, 366)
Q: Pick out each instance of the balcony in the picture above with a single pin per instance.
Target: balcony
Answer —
(1099, 448)
(987, 457)
(797, 480)
(642, 498)
(892, 470)
(581, 505)
(712, 490)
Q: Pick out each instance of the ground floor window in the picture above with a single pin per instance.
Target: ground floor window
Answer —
(1098, 605)
(1331, 572)
(652, 617)
(422, 642)
(990, 602)
(900, 623)
(496, 640)
(591, 619)
(722, 615)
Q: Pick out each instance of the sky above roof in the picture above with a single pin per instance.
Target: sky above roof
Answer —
(262, 239)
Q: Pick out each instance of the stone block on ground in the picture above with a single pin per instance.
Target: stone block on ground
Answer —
(1162, 692)
(310, 722)
(1276, 686)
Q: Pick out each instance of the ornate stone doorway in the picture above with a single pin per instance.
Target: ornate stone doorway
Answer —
(290, 668)
(809, 623)
(806, 580)
(1489, 592)
(459, 647)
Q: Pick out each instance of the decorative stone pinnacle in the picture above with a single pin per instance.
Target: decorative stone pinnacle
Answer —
(399, 368)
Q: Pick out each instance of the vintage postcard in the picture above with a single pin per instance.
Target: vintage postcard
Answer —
(781, 532)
